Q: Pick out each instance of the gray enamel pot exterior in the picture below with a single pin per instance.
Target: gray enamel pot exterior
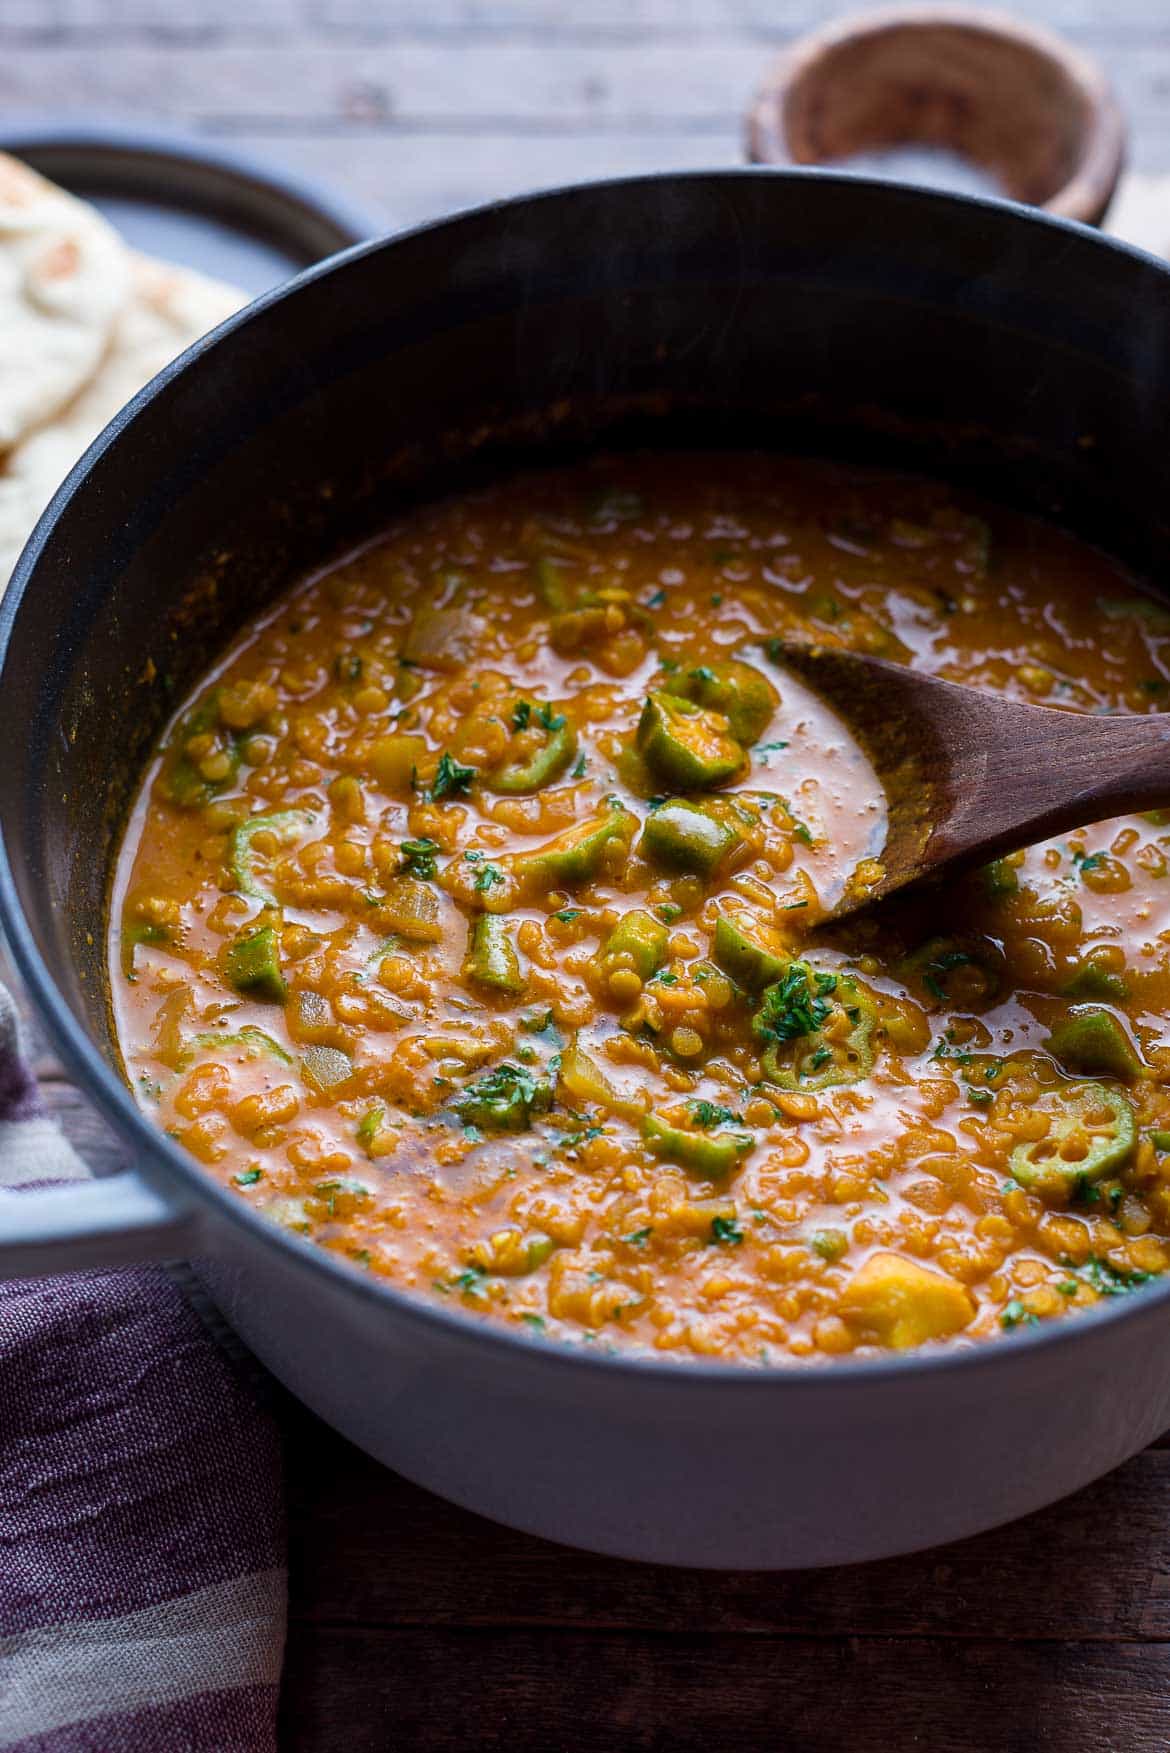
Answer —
(1020, 355)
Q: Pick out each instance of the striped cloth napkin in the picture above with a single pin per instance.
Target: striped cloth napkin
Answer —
(142, 1581)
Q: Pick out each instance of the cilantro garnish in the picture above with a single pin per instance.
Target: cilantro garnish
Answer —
(942, 964)
(1016, 1315)
(725, 1232)
(504, 1100)
(708, 1114)
(1109, 1280)
(795, 1005)
(451, 779)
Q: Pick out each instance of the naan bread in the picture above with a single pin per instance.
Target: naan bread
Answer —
(166, 310)
(64, 277)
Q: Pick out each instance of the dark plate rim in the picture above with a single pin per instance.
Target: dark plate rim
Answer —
(294, 198)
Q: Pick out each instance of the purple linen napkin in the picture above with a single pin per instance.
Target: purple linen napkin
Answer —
(142, 1580)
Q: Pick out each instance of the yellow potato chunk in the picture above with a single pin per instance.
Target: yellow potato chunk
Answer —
(901, 1304)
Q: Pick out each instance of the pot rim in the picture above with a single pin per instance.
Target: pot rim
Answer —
(102, 1085)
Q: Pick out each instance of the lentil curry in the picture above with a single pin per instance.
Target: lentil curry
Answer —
(467, 924)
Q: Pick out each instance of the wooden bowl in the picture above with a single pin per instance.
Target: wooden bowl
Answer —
(1037, 118)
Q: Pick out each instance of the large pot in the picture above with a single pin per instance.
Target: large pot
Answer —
(1020, 353)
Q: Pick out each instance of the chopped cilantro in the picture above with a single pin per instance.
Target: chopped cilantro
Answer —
(1108, 1280)
(725, 1232)
(451, 779)
(668, 912)
(795, 1004)
(247, 1177)
(954, 1055)
(578, 768)
(639, 1238)
(708, 1114)
(521, 713)
(1016, 1315)
(536, 1322)
(566, 915)
(656, 601)
(504, 1100)
(1087, 1192)
(549, 720)
(487, 878)
(942, 964)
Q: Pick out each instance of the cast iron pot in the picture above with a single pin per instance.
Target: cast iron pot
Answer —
(1021, 354)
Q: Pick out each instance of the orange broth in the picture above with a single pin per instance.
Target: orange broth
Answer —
(467, 923)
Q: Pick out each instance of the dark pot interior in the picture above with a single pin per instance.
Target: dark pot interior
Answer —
(1028, 358)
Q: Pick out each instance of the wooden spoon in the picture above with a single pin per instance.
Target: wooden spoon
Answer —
(969, 775)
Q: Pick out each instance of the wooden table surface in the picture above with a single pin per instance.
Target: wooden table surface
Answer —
(415, 1626)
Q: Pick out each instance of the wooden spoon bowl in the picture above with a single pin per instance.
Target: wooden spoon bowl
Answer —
(1037, 118)
(970, 774)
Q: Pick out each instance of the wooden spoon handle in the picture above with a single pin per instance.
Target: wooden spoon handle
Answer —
(1050, 771)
